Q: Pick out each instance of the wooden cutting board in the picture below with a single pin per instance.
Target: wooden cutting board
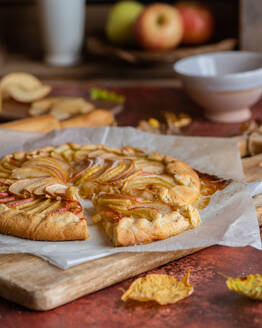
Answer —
(38, 285)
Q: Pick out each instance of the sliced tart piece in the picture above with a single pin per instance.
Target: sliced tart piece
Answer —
(129, 220)
(43, 219)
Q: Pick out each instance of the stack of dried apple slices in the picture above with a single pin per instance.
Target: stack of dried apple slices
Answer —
(138, 197)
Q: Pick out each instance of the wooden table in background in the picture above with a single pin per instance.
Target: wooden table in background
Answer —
(212, 304)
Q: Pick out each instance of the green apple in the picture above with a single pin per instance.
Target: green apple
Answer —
(119, 26)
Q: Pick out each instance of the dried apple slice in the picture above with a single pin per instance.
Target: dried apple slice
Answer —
(41, 107)
(23, 95)
(24, 80)
(68, 107)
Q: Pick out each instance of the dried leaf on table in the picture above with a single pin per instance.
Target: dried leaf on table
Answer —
(248, 127)
(250, 141)
(162, 288)
(172, 123)
(147, 127)
(96, 93)
(250, 286)
(61, 107)
(255, 143)
(177, 120)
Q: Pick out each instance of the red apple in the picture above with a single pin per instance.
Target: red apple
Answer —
(159, 27)
(198, 22)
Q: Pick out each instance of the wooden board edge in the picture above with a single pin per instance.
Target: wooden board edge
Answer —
(42, 299)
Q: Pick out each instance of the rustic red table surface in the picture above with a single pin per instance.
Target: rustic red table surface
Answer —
(212, 304)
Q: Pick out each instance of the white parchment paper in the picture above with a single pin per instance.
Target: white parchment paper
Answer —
(230, 218)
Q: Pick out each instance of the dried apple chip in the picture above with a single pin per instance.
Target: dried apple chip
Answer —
(162, 288)
(250, 286)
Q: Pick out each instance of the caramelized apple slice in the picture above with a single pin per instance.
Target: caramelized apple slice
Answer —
(55, 205)
(68, 155)
(33, 171)
(41, 190)
(19, 186)
(4, 174)
(38, 183)
(22, 203)
(81, 155)
(56, 162)
(8, 165)
(4, 194)
(5, 170)
(142, 212)
(112, 203)
(116, 171)
(7, 199)
(107, 215)
(59, 168)
(144, 181)
(56, 190)
(151, 166)
(39, 207)
(94, 166)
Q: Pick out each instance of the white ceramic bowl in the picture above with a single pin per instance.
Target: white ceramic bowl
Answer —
(225, 83)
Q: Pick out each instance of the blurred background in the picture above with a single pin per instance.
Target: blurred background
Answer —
(237, 25)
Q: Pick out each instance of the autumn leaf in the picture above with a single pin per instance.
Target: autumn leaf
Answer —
(162, 288)
(250, 286)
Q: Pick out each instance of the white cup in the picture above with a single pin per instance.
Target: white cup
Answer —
(62, 24)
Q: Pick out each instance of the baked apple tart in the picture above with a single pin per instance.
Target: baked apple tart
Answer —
(138, 197)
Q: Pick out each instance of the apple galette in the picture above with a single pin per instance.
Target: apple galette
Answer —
(138, 197)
